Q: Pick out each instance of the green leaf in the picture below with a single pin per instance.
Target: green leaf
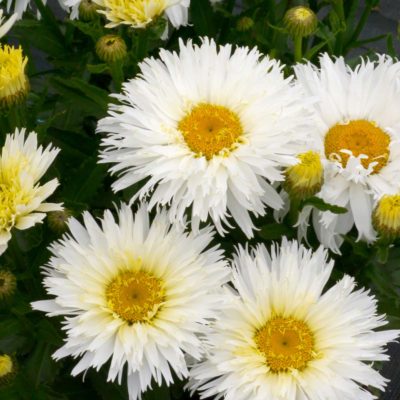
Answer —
(86, 181)
(275, 231)
(11, 335)
(40, 367)
(83, 95)
(93, 29)
(203, 17)
(322, 206)
(30, 238)
(98, 68)
(40, 36)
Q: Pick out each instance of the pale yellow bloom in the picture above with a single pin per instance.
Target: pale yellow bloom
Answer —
(22, 164)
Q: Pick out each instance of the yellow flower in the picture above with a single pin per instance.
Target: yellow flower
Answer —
(22, 164)
(139, 13)
(14, 84)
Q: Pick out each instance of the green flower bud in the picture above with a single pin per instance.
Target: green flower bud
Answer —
(300, 21)
(111, 48)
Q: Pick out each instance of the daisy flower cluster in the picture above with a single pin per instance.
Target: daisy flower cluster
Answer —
(217, 138)
(202, 144)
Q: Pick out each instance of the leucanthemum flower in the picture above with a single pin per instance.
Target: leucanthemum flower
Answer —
(358, 132)
(135, 294)
(22, 164)
(281, 337)
(211, 127)
(14, 84)
(139, 13)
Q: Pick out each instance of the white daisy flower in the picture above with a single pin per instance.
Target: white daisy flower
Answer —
(211, 127)
(135, 294)
(282, 338)
(139, 13)
(19, 6)
(22, 164)
(358, 132)
(6, 25)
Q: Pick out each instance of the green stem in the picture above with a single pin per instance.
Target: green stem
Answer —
(117, 73)
(293, 214)
(298, 48)
(339, 9)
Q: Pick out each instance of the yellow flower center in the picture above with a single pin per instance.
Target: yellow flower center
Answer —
(11, 196)
(6, 365)
(286, 343)
(135, 296)
(360, 137)
(211, 130)
(137, 13)
(13, 82)
(386, 216)
(305, 178)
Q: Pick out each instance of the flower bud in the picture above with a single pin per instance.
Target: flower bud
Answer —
(305, 179)
(111, 48)
(386, 217)
(88, 10)
(300, 21)
(244, 24)
(57, 220)
(8, 284)
(14, 84)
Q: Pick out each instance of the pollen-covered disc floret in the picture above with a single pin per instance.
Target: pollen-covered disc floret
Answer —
(306, 177)
(212, 141)
(211, 130)
(286, 344)
(357, 131)
(22, 164)
(140, 13)
(386, 216)
(14, 84)
(355, 138)
(281, 336)
(136, 296)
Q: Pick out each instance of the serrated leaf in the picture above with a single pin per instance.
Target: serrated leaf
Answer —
(83, 95)
(94, 30)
